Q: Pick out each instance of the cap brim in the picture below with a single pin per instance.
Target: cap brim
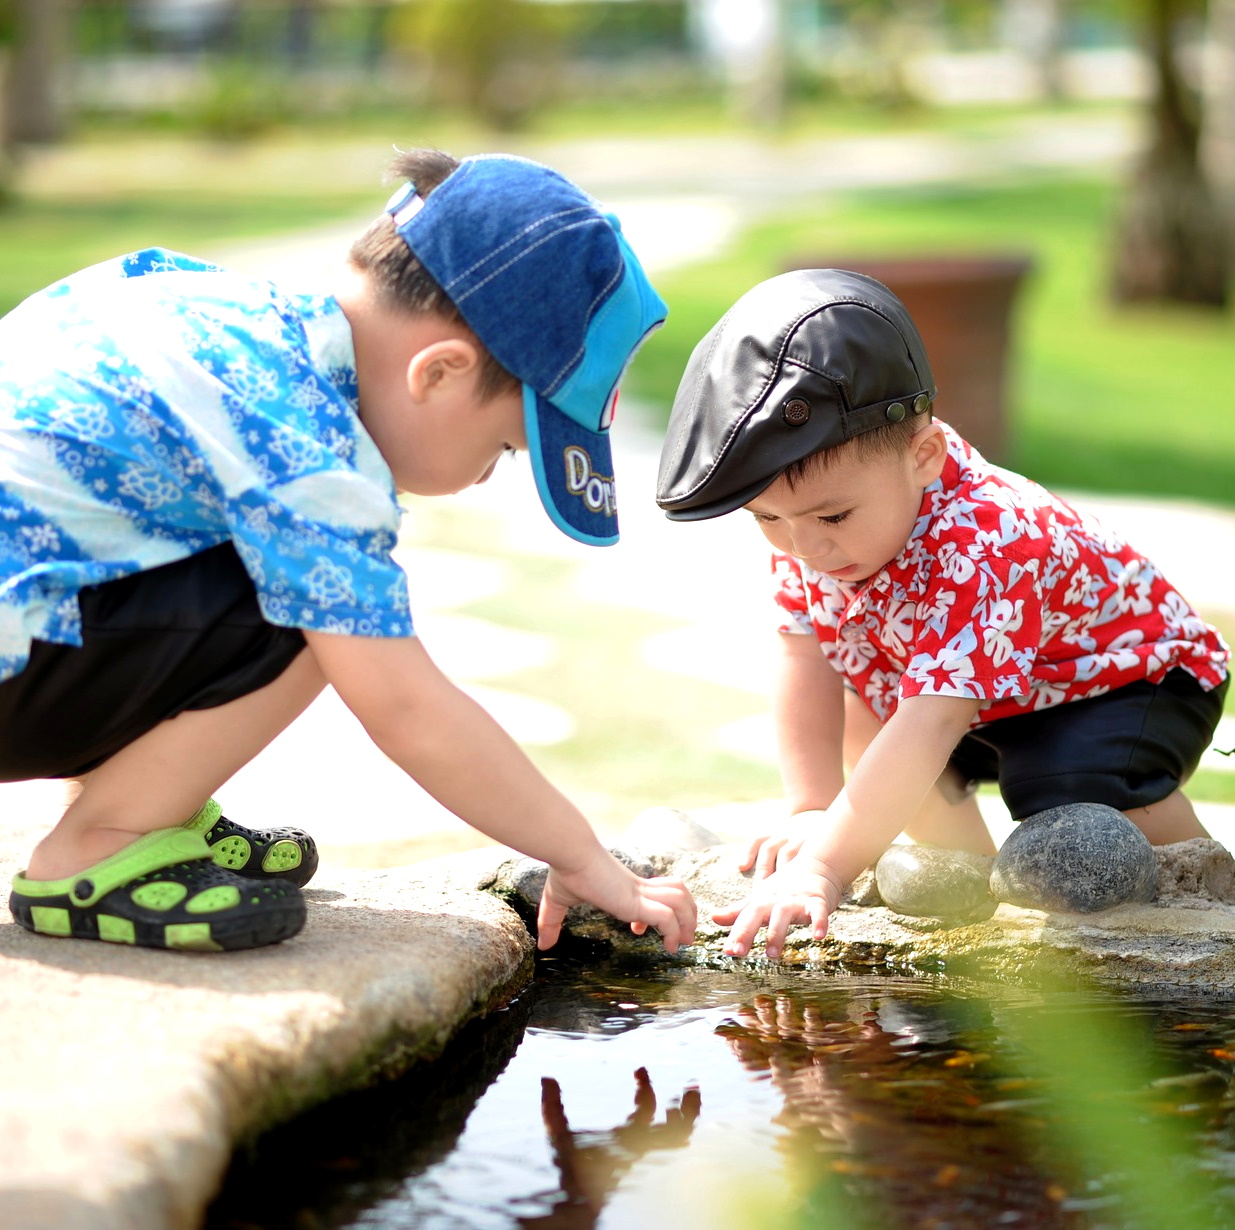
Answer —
(717, 508)
(574, 472)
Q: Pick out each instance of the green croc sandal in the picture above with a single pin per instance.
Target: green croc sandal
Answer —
(263, 854)
(163, 891)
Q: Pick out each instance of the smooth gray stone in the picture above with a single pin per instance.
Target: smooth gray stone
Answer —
(1080, 858)
(667, 831)
(930, 882)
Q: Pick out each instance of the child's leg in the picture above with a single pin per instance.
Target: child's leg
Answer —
(947, 818)
(163, 777)
(1171, 819)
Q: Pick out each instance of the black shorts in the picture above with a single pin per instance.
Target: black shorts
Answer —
(188, 635)
(1128, 748)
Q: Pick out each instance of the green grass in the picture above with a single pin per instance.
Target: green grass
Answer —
(1102, 399)
(45, 240)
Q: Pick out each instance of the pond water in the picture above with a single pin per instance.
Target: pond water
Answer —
(737, 1098)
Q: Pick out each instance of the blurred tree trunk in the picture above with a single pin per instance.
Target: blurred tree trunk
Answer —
(34, 90)
(1171, 244)
(1036, 28)
(1218, 133)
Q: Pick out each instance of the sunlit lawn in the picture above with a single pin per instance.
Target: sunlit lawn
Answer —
(1102, 399)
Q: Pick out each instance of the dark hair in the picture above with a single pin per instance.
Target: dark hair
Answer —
(881, 442)
(401, 282)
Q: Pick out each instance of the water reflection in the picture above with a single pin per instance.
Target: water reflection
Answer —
(592, 1163)
(888, 1116)
(832, 1100)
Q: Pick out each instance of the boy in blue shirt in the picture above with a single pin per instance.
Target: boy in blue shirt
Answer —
(198, 479)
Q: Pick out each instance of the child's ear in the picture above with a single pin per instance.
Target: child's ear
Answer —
(929, 449)
(439, 364)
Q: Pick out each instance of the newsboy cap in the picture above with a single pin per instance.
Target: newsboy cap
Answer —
(801, 362)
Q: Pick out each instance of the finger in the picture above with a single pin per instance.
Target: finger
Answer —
(549, 920)
(673, 894)
(783, 915)
(744, 930)
(692, 1103)
(645, 1098)
(786, 853)
(639, 928)
(766, 864)
(656, 914)
(729, 914)
(551, 1109)
(752, 851)
(818, 918)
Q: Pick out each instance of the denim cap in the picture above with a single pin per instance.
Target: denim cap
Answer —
(548, 283)
(802, 362)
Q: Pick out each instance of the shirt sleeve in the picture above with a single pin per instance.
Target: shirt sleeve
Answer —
(979, 625)
(321, 576)
(789, 594)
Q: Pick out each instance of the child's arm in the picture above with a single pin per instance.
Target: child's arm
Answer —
(461, 756)
(808, 711)
(884, 792)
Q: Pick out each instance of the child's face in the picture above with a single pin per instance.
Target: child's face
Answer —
(853, 516)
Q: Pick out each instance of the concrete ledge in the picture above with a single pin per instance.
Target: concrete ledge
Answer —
(130, 1075)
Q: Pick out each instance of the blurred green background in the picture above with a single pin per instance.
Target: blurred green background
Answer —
(1093, 138)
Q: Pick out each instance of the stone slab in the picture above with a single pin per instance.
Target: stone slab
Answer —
(1183, 939)
(128, 1076)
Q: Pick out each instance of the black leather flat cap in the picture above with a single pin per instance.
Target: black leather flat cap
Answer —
(802, 362)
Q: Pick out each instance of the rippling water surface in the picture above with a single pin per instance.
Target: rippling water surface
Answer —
(731, 1099)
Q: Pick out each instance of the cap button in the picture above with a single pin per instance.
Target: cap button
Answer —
(796, 412)
(921, 404)
(895, 412)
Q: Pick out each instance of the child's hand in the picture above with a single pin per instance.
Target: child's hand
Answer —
(663, 903)
(804, 890)
(769, 852)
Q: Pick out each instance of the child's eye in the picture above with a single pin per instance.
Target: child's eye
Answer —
(762, 517)
(836, 518)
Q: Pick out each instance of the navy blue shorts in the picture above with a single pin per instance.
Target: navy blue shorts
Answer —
(1128, 748)
(188, 635)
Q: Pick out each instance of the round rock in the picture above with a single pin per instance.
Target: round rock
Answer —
(666, 830)
(930, 882)
(1078, 859)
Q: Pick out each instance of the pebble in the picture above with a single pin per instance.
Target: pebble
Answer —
(1079, 859)
(931, 882)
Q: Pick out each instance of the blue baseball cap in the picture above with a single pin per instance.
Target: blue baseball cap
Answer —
(547, 282)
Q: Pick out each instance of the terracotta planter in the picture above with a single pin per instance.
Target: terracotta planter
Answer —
(962, 306)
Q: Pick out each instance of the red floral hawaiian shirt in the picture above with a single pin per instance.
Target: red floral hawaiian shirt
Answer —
(1005, 594)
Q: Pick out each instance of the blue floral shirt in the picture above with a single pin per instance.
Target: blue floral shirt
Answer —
(155, 405)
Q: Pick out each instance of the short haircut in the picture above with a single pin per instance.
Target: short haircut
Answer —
(401, 282)
(881, 442)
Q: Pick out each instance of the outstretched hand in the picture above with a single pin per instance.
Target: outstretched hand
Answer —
(663, 902)
(805, 890)
(769, 852)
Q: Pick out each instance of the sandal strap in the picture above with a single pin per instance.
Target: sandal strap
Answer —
(152, 852)
(204, 819)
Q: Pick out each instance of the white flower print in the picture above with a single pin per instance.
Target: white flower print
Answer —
(329, 584)
(1002, 619)
(42, 538)
(149, 487)
(298, 451)
(252, 381)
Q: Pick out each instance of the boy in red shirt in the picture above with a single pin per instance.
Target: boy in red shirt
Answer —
(946, 621)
